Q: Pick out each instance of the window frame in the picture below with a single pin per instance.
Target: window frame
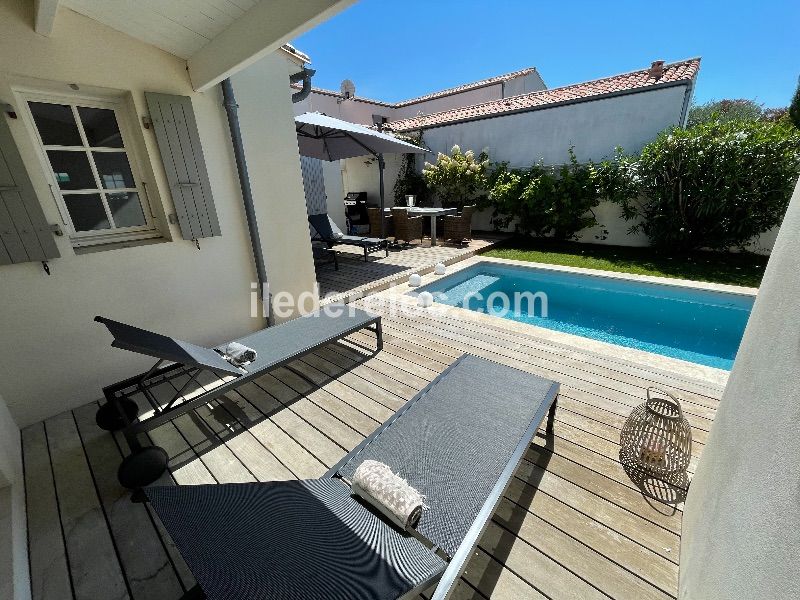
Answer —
(121, 111)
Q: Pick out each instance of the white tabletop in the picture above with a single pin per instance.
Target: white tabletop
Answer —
(431, 211)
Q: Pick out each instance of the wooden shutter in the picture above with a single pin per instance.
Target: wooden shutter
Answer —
(179, 145)
(24, 233)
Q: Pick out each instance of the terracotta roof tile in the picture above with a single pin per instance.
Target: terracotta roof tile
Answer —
(626, 82)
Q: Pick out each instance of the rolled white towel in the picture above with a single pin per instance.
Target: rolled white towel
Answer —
(239, 354)
(389, 493)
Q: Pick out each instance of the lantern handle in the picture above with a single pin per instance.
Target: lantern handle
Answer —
(669, 395)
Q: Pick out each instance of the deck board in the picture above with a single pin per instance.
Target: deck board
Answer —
(93, 561)
(149, 570)
(46, 552)
(571, 524)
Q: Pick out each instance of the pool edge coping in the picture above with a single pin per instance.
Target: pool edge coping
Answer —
(668, 281)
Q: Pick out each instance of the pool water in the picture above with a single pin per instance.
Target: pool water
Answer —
(699, 326)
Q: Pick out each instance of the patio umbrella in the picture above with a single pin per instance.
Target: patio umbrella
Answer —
(327, 138)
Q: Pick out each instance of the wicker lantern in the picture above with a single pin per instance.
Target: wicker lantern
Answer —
(657, 437)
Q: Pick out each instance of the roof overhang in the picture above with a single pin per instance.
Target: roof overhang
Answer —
(216, 42)
(260, 31)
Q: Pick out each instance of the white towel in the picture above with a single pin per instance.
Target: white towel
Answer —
(239, 354)
(389, 493)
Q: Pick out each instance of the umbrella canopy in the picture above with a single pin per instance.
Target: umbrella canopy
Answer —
(321, 136)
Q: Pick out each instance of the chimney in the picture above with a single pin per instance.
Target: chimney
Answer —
(656, 70)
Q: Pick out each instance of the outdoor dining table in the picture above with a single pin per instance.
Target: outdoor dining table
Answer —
(426, 211)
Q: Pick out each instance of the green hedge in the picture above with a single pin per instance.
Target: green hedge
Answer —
(716, 185)
(545, 201)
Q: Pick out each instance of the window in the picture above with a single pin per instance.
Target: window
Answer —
(94, 174)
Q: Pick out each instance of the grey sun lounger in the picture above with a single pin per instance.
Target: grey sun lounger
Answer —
(327, 231)
(180, 363)
(458, 441)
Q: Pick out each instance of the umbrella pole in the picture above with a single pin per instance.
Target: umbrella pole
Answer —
(381, 165)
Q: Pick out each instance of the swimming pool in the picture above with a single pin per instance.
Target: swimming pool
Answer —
(697, 325)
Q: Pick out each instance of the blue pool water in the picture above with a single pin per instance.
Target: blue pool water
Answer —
(700, 326)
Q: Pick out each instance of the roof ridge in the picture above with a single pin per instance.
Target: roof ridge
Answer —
(467, 86)
(552, 91)
(623, 74)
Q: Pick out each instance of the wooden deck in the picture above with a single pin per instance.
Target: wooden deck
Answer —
(572, 524)
(355, 278)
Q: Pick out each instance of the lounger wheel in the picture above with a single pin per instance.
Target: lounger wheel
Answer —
(142, 467)
(108, 417)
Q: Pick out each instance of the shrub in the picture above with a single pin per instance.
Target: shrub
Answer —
(409, 180)
(716, 185)
(724, 111)
(546, 201)
(459, 178)
(794, 106)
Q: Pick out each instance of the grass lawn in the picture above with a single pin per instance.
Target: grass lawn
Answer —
(736, 269)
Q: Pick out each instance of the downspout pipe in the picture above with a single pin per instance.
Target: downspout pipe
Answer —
(231, 108)
(304, 75)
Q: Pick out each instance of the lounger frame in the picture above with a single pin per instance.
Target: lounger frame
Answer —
(447, 579)
(120, 394)
(458, 562)
(367, 244)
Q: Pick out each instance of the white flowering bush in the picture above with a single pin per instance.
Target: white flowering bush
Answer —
(458, 178)
(715, 185)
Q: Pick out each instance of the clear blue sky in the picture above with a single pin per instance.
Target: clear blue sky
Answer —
(394, 50)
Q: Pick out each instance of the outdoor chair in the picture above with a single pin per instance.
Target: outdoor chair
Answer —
(325, 230)
(458, 442)
(163, 387)
(458, 228)
(406, 228)
(374, 215)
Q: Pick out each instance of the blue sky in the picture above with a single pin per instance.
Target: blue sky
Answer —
(394, 50)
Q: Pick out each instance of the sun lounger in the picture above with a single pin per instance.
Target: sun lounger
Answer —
(458, 442)
(327, 231)
(275, 346)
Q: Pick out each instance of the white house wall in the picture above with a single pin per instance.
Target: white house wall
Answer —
(361, 175)
(594, 129)
(270, 143)
(53, 355)
(532, 82)
(740, 524)
(14, 577)
(353, 110)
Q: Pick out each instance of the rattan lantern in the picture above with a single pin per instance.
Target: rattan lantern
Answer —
(657, 437)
